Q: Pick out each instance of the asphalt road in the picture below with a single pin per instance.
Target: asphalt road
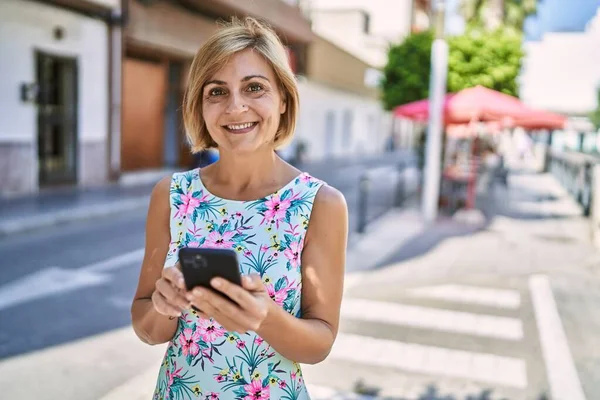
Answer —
(53, 291)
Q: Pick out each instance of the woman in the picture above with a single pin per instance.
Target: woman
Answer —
(289, 228)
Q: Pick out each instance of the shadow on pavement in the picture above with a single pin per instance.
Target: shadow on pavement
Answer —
(500, 201)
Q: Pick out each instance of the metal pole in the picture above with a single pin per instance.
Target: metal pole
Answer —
(437, 91)
(363, 190)
(400, 192)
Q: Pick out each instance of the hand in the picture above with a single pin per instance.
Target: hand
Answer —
(248, 314)
(168, 297)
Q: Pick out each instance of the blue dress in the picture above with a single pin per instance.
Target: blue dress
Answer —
(203, 360)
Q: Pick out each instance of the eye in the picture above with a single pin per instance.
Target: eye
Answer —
(254, 87)
(216, 91)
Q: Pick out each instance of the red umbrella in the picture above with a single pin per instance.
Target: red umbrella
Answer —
(480, 104)
(536, 119)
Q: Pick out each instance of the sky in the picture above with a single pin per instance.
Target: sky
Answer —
(552, 16)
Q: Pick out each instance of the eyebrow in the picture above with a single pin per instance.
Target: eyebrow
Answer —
(244, 79)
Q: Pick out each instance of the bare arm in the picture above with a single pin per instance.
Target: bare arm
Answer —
(156, 283)
(309, 339)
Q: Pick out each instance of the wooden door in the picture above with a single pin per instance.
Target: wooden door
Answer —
(144, 91)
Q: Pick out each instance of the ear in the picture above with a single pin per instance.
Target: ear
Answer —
(282, 105)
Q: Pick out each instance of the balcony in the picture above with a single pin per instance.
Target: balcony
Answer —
(284, 15)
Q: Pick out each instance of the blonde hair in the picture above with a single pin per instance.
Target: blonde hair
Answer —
(232, 38)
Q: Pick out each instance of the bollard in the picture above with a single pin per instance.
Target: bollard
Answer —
(587, 189)
(363, 190)
(400, 187)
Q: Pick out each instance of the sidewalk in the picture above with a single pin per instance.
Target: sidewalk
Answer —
(72, 204)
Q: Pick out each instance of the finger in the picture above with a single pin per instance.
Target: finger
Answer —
(163, 307)
(172, 294)
(252, 282)
(223, 307)
(235, 292)
(174, 275)
(209, 311)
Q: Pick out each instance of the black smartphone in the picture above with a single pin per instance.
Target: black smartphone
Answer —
(200, 265)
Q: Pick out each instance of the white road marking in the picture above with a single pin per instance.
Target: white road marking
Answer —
(431, 360)
(500, 298)
(432, 318)
(560, 368)
(54, 280)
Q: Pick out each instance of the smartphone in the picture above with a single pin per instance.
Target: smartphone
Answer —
(200, 265)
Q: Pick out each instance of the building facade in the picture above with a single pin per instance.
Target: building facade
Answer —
(56, 91)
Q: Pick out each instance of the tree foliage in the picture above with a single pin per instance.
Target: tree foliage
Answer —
(406, 75)
(490, 14)
(491, 59)
(478, 57)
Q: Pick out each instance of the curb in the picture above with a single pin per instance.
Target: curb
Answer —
(19, 225)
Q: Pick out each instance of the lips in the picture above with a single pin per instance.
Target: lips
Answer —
(240, 128)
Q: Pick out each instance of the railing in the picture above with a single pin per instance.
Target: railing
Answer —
(574, 171)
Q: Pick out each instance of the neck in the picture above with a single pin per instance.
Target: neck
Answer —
(242, 171)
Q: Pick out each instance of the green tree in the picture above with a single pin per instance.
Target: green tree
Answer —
(406, 75)
(491, 59)
(492, 14)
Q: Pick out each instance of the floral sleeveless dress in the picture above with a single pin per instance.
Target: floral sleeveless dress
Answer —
(203, 360)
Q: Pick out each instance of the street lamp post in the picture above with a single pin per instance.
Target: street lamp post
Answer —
(437, 91)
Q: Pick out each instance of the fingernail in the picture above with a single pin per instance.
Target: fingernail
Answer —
(217, 283)
(181, 282)
(247, 280)
(198, 293)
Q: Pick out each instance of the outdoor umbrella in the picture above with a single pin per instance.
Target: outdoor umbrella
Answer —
(480, 104)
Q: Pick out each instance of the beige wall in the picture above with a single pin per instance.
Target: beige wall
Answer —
(334, 67)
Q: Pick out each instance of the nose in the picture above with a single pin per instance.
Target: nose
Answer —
(236, 104)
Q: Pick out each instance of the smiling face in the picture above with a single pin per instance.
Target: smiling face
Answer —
(242, 104)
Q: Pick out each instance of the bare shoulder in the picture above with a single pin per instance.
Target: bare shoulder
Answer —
(162, 187)
(329, 199)
(330, 210)
(159, 199)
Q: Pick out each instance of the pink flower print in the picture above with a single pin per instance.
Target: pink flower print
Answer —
(264, 248)
(220, 241)
(219, 378)
(282, 384)
(278, 296)
(210, 331)
(189, 203)
(256, 391)
(276, 209)
(241, 344)
(247, 253)
(293, 253)
(189, 342)
(193, 244)
(305, 178)
(213, 396)
(258, 340)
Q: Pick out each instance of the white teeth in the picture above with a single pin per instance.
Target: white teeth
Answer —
(241, 126)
